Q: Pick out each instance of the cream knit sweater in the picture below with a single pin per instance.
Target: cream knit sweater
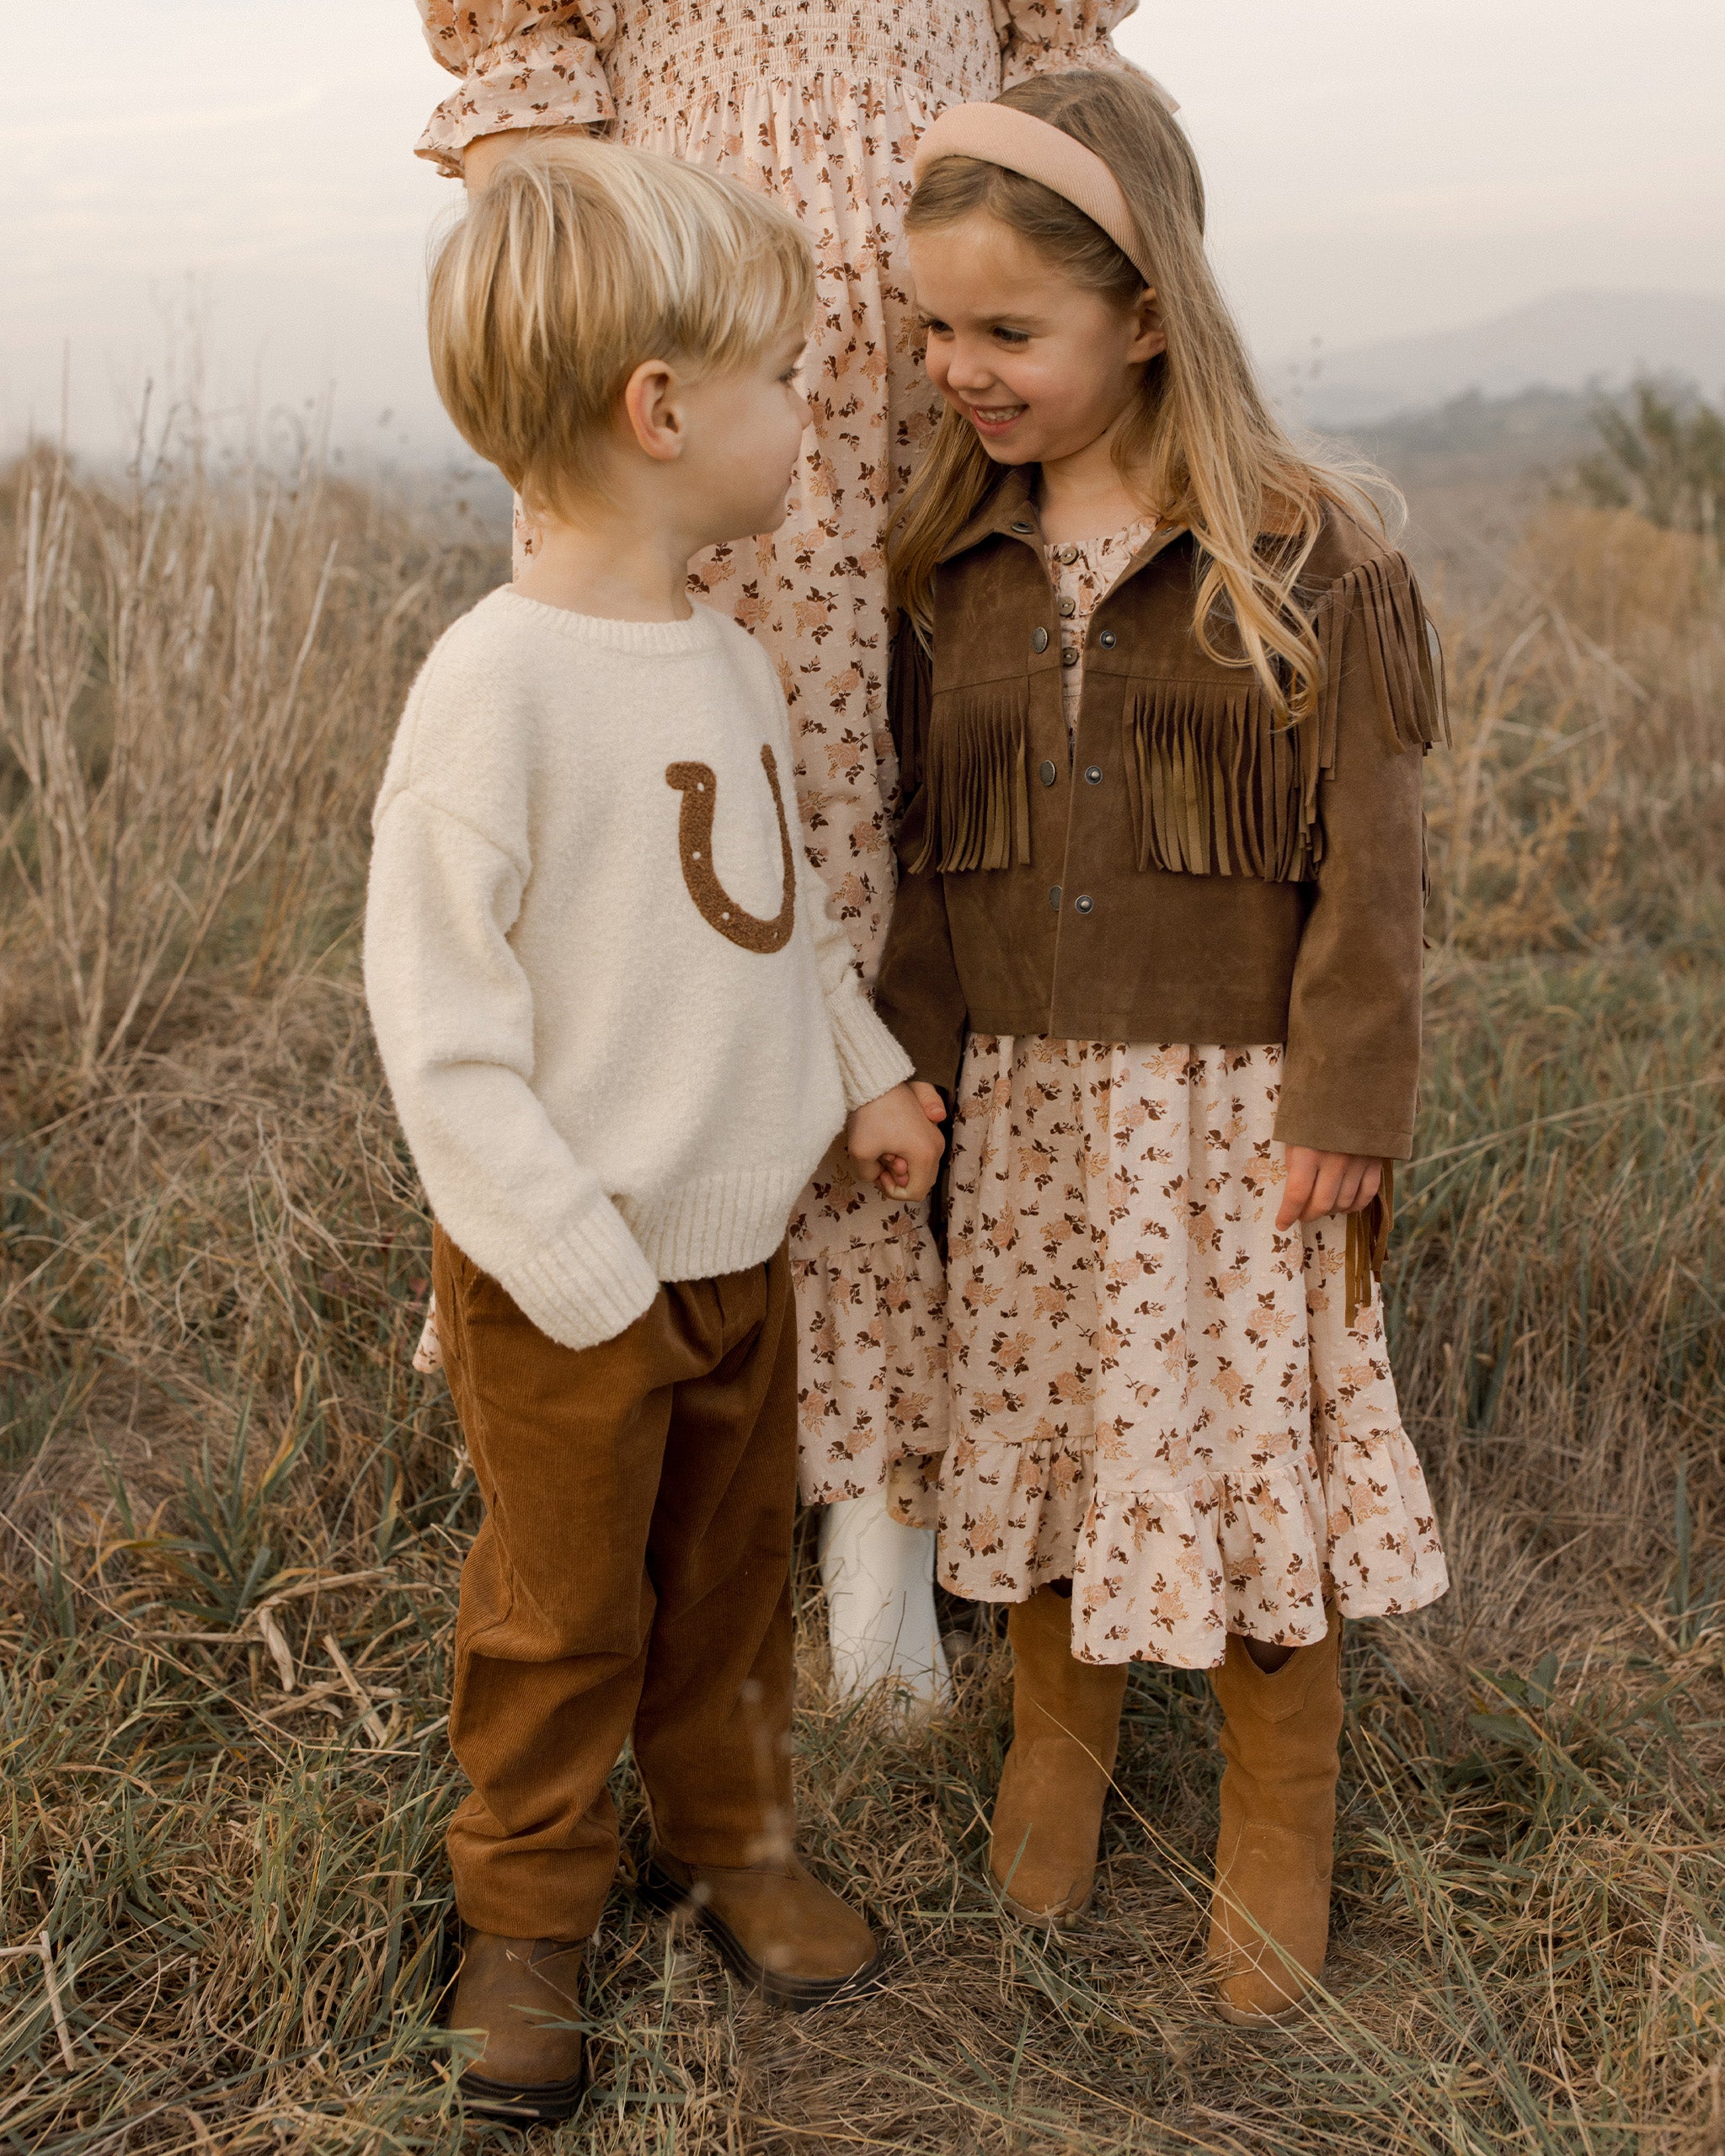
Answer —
(619, 1023)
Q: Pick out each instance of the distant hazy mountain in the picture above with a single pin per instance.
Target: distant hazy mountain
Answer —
(1570, 341)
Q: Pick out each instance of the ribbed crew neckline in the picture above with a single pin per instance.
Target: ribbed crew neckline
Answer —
(698, 633)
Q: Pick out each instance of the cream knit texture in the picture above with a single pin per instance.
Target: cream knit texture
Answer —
(600, 1088)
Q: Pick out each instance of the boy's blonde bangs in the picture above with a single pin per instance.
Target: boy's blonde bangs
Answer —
(580, 259)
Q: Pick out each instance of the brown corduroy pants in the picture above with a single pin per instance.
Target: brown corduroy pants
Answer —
(631, 1577)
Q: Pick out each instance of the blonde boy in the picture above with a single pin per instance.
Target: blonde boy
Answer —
(621, 1029)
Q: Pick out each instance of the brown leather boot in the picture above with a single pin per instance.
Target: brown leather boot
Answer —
(522, 1994)
(1066, 1733)
(776, 1926)
(1270, 1915)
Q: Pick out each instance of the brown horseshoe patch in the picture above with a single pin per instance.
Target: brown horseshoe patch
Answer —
(718, 908)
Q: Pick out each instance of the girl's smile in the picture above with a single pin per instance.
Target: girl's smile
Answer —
(1041, 366)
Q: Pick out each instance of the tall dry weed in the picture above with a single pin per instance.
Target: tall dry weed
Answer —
(184, 659)
(234, 1518)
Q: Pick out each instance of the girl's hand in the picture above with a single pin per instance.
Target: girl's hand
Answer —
(934, 1107)
(894, 1142)
(1322, 1183)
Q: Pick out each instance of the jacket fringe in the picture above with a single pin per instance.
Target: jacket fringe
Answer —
(910, 693)
(1219, 785)
(1402, 649)
(1368, 1244)
(978, 795)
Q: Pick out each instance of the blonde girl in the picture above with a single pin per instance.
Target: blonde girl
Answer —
(820, 109)
(1161, 693)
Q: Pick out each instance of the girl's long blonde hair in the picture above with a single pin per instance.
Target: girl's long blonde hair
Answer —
(1201, 449)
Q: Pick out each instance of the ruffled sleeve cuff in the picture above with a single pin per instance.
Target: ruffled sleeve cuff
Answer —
(522, 66)
(1043, 37)
(1039, 36)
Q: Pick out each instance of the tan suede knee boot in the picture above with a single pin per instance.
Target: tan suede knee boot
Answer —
(1270, 1916)
(1065, 1732)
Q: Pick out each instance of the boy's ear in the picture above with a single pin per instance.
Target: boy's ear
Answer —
(1151, 337)
(652, 413)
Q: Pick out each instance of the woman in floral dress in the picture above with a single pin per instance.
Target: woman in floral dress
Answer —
(820, 108)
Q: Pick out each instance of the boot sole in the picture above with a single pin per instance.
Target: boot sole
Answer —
(1061, 1918)
(665, 1894)
(546, 2104)
(1281, 2017)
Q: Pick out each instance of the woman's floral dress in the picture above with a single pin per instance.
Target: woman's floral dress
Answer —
(1153, 1392)
(820, 107)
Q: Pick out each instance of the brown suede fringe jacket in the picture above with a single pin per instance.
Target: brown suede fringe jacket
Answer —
(1191, 869)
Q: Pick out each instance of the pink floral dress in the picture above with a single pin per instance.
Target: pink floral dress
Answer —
(1154, 1393)
(820, 107)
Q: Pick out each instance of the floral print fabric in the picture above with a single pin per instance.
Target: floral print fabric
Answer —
(820, 107)
(1153, 1390)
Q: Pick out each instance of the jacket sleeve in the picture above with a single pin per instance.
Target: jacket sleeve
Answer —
(522, 64)
(1351, 1080)
(917, 991)
(1041, 37)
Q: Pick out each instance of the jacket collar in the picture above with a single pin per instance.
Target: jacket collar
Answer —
(1011, 507)
(1011, 512)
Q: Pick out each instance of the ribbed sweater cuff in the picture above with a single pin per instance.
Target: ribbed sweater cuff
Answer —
(871, 1062)
(590, 1286)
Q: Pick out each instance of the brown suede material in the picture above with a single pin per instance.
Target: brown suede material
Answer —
(522, 1993)
(1066, 1733)
(1270, 1914)
(1080, 942)
(631, 1577)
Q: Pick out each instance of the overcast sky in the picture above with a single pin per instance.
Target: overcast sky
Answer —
(1376, 167)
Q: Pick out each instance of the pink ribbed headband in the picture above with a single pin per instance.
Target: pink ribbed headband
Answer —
(1002, 135)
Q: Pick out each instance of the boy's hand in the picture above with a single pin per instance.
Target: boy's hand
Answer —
(893, 1141)
(1322, 1183)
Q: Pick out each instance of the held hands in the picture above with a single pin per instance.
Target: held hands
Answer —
(1322, 1183)
(893, 1141)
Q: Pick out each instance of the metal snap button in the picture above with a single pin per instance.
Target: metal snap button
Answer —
(1085, 905)
(1093, 774)
(1069, 657)
(1068, 554)
(1020, 525)
(1053, 897)
(1038, 638)
(1047, 773)
(1069, 607)
(1108, 639)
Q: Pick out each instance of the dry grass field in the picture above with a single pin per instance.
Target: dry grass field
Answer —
(232, 1517)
